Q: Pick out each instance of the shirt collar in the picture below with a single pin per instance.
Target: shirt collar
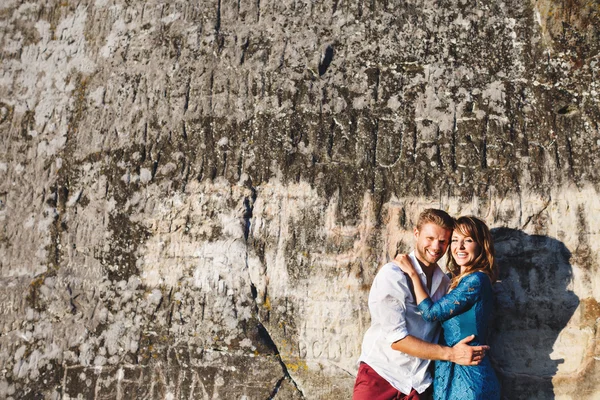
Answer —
(416, 263)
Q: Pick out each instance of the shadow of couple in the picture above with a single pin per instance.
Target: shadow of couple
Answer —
(533, 305)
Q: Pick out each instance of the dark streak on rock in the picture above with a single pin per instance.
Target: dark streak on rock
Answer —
(218, 18)
(453, 144)
(187, 97)
(266, 337)
(277, 387)
(438, 152)
(244, 49)
(326, 59)
(484, 164)
(330, 139)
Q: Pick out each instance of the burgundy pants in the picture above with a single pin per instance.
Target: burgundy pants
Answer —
(370, 386)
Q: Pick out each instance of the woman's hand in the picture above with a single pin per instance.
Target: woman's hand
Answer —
(403, 261)
(407, 267)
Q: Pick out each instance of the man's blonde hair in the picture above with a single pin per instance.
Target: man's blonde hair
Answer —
(435, 216)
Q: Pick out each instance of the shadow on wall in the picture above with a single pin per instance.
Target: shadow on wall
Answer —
(533, 306)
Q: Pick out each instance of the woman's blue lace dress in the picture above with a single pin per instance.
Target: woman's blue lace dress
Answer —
(464, 311)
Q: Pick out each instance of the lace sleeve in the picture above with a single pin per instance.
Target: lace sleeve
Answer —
(457, 301)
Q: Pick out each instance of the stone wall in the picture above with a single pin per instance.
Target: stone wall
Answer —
(196, 196)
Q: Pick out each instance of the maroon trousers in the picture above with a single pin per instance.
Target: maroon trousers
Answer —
(370, 386)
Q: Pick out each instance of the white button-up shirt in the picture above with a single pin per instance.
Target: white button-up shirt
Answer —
(394, 315)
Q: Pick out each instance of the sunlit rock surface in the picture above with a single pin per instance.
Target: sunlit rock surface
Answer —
(195, 197)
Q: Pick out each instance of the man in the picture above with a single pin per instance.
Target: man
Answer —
(399, 346)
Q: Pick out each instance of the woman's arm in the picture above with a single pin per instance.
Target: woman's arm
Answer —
(457, 301)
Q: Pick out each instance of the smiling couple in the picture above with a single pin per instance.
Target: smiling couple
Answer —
(411, 299)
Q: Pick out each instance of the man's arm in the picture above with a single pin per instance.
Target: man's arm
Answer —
(461, 353)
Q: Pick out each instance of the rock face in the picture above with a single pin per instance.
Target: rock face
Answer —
(196, 196)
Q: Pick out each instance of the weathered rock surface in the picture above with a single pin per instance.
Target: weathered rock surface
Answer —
(195, 198)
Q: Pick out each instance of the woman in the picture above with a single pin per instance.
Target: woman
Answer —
(464, 311)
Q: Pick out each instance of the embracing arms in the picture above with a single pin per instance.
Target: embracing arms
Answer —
(461, 353)
(451, 304)
(387, 305)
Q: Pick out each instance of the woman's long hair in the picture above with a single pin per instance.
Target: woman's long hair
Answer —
(477, 230)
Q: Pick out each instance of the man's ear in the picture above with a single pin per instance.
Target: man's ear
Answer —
(416, 232)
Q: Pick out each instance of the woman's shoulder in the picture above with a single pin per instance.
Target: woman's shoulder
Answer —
(477, 278)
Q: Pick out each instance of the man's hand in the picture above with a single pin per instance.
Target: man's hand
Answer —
(464, 354)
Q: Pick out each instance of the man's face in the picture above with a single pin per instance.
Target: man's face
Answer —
(431, 243)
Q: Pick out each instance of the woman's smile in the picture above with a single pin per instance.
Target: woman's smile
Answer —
(464, 249)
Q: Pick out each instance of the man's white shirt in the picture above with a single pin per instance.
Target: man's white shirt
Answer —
(394, 315)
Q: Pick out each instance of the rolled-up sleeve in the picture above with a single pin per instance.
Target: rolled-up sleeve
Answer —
(457, 301)
(387, 305)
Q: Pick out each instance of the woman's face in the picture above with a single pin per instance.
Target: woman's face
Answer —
(464, 250)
